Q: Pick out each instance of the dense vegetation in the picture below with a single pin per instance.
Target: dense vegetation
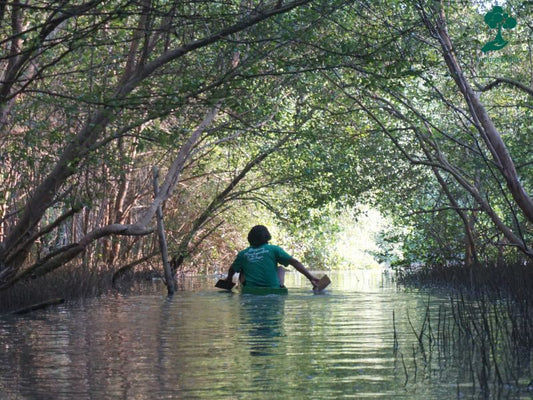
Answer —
(298, 112)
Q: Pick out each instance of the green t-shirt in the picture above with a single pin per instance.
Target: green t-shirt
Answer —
(259, 264)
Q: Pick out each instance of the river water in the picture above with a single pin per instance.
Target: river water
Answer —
(206, 344)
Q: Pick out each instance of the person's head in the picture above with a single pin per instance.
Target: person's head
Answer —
(258, 235)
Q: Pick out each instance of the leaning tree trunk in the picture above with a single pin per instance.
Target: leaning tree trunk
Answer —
(19, 241)
(482, 121)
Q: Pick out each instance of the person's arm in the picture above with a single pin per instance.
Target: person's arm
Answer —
(301, 269)
(231, 272)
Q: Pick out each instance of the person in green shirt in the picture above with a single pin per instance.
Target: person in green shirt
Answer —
(259, 262)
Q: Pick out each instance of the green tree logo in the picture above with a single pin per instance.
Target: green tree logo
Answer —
(497, 19)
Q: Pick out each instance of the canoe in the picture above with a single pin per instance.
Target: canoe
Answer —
(263, 290)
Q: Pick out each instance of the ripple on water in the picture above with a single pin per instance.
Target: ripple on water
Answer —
(208, 344)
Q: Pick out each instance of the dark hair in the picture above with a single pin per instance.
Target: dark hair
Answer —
(258, 235)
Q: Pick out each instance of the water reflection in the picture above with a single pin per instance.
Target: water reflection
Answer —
(262, 318)
(206, 344)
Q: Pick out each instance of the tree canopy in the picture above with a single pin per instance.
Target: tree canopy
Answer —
(295, 106)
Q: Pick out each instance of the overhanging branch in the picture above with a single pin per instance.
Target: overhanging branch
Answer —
(67, 253)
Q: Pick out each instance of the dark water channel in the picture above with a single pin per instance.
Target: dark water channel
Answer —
(206, 344)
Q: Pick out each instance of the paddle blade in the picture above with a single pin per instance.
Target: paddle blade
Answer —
(323, 283)
(224, 284)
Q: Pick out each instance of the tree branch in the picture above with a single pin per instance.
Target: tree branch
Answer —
(508, 81)
(65, 254)
(99, 120)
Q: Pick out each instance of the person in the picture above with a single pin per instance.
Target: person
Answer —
(259, 262)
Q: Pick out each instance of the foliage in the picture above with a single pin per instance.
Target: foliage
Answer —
(336, 237)
(331, 104)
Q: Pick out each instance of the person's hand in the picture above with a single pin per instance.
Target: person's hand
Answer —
(314, 281)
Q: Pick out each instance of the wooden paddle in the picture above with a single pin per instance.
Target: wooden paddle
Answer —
(224, 284)
(322, 283)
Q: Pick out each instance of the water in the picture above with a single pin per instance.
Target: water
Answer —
(208, 344)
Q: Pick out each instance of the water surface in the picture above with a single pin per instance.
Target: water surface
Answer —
(208, 344)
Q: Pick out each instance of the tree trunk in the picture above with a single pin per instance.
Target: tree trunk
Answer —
(483, 122)
(18, 244)
(8, 275)
(470, 247)
(438, 160)
(169, 276)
